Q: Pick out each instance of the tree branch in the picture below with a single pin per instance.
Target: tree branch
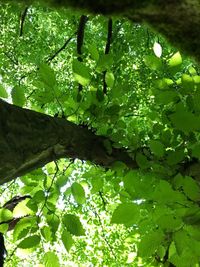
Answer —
(29, 140)
(60, 49)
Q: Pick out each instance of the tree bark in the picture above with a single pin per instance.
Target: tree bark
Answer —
(178, 21)
(29, 140)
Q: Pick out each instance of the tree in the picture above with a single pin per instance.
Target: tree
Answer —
(118, 97)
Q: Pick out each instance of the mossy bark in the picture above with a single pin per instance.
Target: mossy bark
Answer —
(29, 140)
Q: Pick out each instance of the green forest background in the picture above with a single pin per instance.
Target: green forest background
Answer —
(126, 83)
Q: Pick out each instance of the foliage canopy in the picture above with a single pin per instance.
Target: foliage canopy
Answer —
(126, 83)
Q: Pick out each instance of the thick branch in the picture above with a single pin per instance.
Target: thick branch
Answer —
(29, 140)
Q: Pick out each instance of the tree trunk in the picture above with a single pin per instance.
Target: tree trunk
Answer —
(29, 140)
(177, 20)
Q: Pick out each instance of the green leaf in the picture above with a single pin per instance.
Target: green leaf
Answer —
(5, 215)
(191, 189)
(194, 232)
(4, 228)
(53, 222)
(166, 97)
(177, 181)
(18, 96)
(153, 62)
(187, 83)
(139, 187)
(30, 242)
(163, 83)
(164, 193)
(174, 157)
(67, 240)
(182, 241)
(185, 120)
(97, 184)
(78, 193)
(150, 243)
(196, 79)
(192, 216)
(187, 256)
(110, 79)
(105, 62)
(142, 161)
(196, 101)
(192, 70)
(113, 110)
(81, 73)
(51, 260)
(39, 196)
(22, 228)
(157, 147)
(32, 206)
(161, 251)
(127, 213)
(3, 92)
(46, 233)
(47, 75)
(73, 225)
(92, 48)
(196, 151)
(61, 181)
(169, 222)
(119, 166)
(21, 209)
(175, 60)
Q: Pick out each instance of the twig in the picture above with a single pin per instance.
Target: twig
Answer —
(11, 255)
(74, 112)
(15, 62)
(48, 190)
(8, 186)
(104, 235)
(103, 200)
(60, 49)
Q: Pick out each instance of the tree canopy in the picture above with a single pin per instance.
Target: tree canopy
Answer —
(101, 131)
